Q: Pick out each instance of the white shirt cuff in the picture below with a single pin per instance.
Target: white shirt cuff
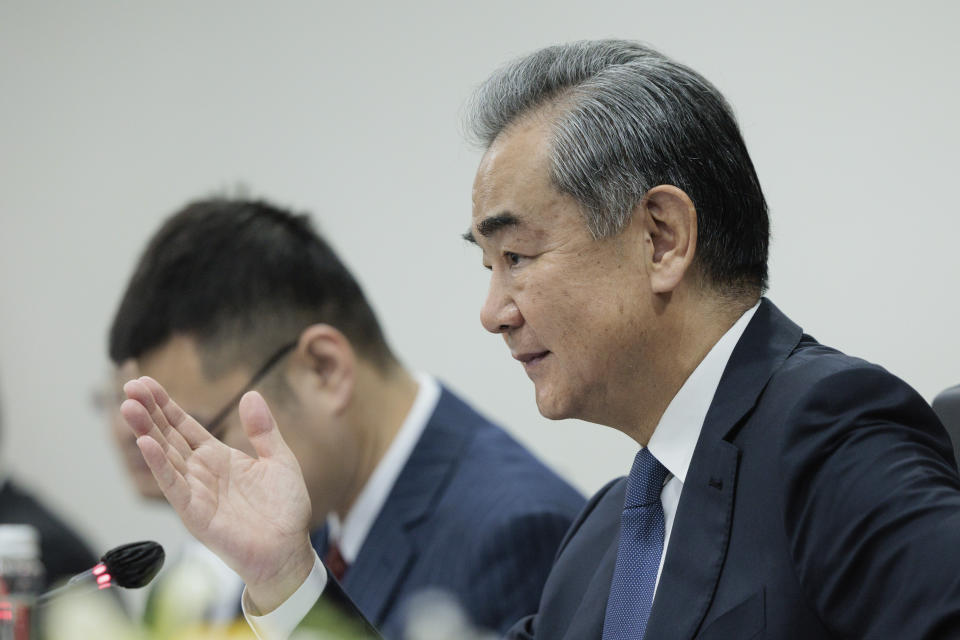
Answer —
(280, 623)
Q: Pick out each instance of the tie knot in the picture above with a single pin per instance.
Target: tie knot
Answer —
(645, 481)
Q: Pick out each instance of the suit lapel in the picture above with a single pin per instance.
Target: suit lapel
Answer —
(587, 623)
(391, 546)
(698, 544)
(701, 527)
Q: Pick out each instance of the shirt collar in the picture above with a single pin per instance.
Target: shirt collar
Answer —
(676, 435)
(352, 531)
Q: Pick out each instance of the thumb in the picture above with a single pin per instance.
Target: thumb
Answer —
(260, 427)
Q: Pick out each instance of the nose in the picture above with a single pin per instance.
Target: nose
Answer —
(499, 313)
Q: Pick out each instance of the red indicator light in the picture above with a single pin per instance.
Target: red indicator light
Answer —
(103, 579)
(100, 568)
(105, 585)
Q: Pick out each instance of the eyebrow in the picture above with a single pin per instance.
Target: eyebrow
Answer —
(491, 225)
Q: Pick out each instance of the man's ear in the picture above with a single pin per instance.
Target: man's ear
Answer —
(672, 226)
(329, 365)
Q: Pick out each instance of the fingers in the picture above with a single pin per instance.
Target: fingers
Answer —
(142, 424)
(154, 424)
(169, 479)
(191, 430)
(180, 430)
(167, 412)
(261, 428)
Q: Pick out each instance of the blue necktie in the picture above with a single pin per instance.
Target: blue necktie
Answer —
(639, 551)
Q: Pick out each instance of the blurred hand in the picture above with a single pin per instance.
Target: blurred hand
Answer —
(252, 512)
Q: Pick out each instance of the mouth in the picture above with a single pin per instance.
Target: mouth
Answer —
(531, 359)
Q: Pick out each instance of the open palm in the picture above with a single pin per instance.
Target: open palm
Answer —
(252, 512)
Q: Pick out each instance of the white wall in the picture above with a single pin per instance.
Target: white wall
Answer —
(114, 114)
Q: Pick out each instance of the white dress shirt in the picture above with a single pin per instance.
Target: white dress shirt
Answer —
(676, 435)
(672, 443)
(352, 532)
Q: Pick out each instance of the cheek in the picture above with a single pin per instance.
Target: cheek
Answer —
(572, 315)
(546, 301)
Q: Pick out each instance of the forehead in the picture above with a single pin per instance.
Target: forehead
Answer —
(514, 181)
(519, 155)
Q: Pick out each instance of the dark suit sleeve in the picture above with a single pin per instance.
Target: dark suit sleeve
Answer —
(872, 507)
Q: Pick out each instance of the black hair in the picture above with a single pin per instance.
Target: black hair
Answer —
(242, 277)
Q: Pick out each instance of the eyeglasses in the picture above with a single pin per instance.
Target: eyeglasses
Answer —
(215, 426)
(108, 395)
(107, 398)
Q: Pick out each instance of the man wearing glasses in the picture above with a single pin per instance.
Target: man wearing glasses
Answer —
(409, 487)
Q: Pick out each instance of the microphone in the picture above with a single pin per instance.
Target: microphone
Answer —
(130, 566)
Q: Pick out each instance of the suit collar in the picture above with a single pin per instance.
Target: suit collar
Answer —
(391, 546)
(767, 342)
(701, 528)
(675, 438)
(351, 533)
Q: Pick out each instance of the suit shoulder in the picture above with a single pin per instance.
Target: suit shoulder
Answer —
(508, 480)
(811, 360)
(501, 471)
(818, 375)
(824, 389)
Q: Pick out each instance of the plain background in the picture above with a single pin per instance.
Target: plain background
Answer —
(112, 115)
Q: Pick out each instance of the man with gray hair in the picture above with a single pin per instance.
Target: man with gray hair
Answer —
(781, 490)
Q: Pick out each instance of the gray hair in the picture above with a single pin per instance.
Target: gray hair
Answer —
(628, 119)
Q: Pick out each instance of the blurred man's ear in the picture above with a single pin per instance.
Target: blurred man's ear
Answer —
(672, 226)
(326, 365)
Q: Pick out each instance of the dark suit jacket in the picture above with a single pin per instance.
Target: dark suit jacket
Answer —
(472, 513)
(62, 551)
(821, 502)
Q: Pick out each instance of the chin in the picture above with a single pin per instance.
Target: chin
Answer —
(554, 408)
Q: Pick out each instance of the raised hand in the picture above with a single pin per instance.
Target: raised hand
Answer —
(252, 512)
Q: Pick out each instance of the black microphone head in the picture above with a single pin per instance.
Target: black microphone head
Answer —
(134, 565)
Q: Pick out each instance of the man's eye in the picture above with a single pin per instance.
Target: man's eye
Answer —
(512, 258)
